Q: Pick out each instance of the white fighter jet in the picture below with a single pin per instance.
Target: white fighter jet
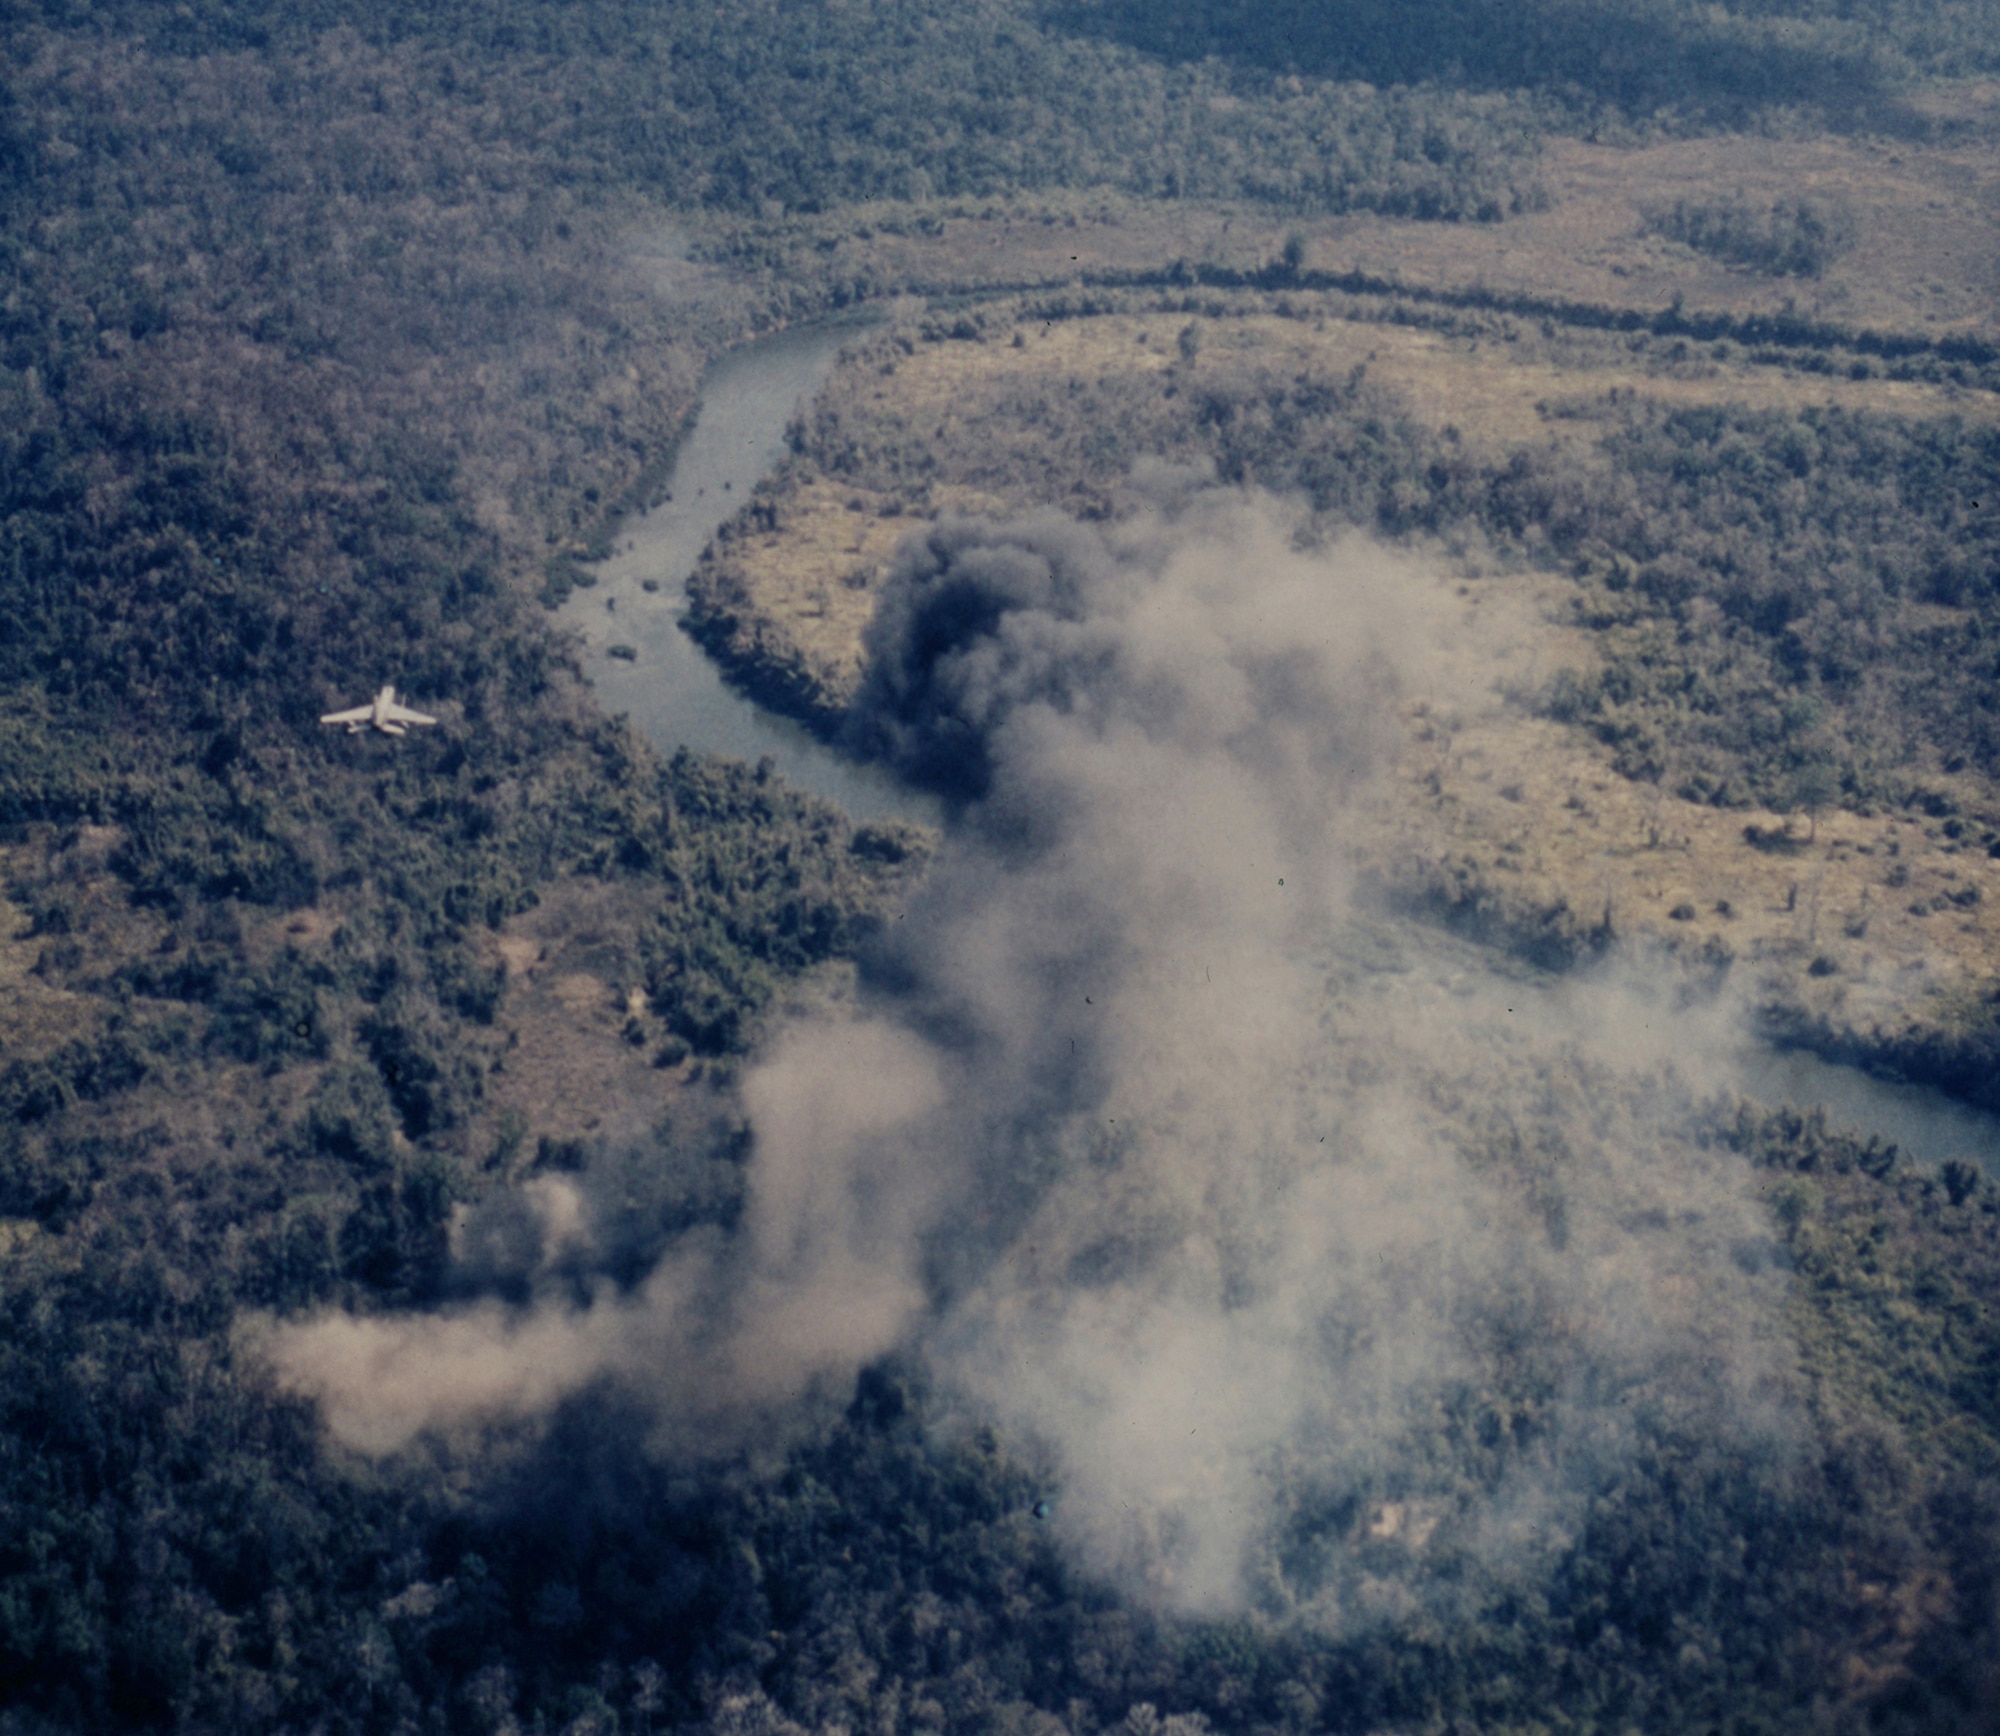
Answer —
(382, 712)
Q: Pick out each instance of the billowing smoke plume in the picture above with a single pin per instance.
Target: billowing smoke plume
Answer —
(1282, 1259)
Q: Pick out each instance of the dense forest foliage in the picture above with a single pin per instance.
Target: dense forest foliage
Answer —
(1795, 237)
(181, 1550)
(273, 1132)
(763, 108)
(307, 370)
(1639, 57)
(1762, 578)
(1790, 560)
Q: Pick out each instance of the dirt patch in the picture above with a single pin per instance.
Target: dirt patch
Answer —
(37, 1014)
(309, 928)
(574, 1057)
(519, 952)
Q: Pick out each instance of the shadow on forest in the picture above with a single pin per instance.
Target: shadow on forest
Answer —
(1718, 66)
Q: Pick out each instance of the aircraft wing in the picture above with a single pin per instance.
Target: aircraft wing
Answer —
(403, 714)
(360, 714)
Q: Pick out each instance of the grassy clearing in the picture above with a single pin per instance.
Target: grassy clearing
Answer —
(1925, 254)
(1863, 923)
(566, 1058)
(35, 1016)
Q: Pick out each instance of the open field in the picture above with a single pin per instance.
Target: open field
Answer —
(563, 1060)
(1498, 389)
(1926, 253)
(1925, 256)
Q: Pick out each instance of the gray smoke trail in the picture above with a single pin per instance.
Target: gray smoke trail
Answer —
(1264, 1260)
(822, 1277)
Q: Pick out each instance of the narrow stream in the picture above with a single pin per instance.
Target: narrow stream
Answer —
(677, 697)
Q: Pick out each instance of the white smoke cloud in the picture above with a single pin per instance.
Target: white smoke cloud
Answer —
(1253, 1244)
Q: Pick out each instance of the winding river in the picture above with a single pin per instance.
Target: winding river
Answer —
(676, 697)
